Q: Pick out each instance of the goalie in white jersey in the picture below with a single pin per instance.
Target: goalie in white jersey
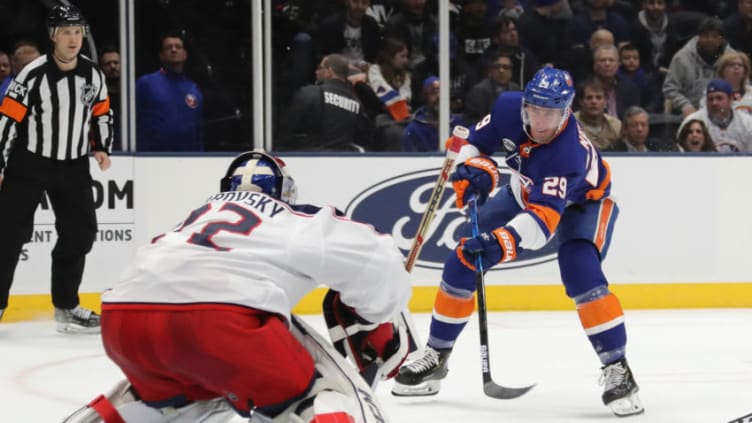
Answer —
(200, 322)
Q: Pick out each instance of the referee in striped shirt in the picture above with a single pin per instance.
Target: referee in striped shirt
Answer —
(56, 110)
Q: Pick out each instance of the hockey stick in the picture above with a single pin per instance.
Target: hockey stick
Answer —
(453, 147)
(490, 388)
(459, 134)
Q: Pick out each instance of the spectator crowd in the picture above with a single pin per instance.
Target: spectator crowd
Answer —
(362, 75)
(644, 69)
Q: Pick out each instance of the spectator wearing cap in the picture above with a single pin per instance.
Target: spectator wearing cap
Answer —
(693, 66)
(422, 133)
(731, 130)
(735, 68)
(482, 96)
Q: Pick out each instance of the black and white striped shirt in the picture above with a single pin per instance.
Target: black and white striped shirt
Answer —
(56, 114)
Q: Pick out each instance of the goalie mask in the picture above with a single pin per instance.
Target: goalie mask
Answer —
(258, 171)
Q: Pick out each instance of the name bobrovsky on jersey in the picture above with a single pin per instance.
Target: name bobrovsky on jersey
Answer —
(258, 201)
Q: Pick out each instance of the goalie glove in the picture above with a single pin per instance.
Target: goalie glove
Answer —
(500, 245)
(384, 345)
(477, 175)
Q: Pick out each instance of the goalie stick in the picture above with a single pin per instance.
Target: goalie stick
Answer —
(490, 388)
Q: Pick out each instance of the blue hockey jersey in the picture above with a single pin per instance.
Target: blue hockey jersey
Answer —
(546, 178)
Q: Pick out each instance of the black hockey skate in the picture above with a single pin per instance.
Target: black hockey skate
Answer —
(423, 376)
(76, 320)
(620, 389)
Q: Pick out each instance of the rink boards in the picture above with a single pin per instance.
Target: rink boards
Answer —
(682, 239)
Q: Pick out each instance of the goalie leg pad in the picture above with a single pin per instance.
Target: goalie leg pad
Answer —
(119, 405)
(337, 376)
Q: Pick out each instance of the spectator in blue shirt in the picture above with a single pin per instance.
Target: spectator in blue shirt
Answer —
(422, 133)
(169, 104)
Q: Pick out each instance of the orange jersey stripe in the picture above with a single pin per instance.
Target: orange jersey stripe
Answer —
(549, 216)
(604, 217)
(453, 307)
(101, 108)
(13, 109)
(598, 193)
(599, 312)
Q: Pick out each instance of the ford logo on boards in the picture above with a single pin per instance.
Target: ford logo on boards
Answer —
(396, 205)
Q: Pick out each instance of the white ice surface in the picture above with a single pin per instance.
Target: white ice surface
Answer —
(691, 365)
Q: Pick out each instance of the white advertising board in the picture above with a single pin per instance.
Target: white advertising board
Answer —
(114, 197)
(683, 219)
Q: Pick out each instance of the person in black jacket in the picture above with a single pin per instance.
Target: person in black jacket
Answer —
(482, 96)
(56, 112)
(351, 33)
(326, 116)
(506, 39)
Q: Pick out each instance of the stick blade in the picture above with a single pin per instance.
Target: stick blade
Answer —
(502, 392)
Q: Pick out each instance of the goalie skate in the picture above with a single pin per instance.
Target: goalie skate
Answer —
(620, 389)
(423, 376)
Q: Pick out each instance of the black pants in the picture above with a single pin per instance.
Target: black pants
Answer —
(68, 186)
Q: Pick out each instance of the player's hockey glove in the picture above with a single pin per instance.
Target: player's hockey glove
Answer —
(365, 343)
(500, 245)
(477, 175)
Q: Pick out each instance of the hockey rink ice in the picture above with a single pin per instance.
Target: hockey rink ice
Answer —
(691, 365)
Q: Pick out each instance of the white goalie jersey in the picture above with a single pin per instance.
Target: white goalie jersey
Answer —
(248, 249)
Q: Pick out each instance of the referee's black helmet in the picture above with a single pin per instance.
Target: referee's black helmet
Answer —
(65, 15)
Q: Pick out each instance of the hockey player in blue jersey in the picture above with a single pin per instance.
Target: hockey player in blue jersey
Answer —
(559, 183)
